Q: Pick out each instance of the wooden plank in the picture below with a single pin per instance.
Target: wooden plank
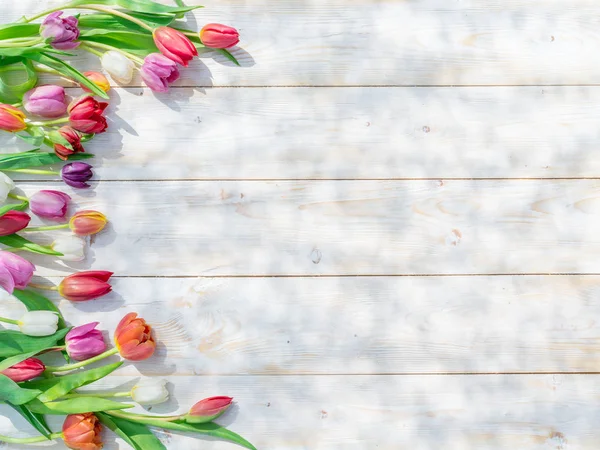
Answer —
(342, 227)
(381, 325)
(348, 133)
(430, 42)
(386, 413)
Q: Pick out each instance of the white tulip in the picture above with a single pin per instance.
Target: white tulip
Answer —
(150, 391)
(39, 323)
(72, 248)
(119, 66)
(6, 185)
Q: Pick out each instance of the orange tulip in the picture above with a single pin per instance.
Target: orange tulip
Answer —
(133, 338)
(100, 80)
(82, 432)
(85, 223)
(11, 118)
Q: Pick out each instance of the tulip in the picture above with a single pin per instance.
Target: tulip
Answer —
(46, 101)
(215, 35)
(158, 72)
(86, 223)
(150, 391)
(76, 174)
(82, 432)
(118, 66)
(208, 409)
(6, 185)
(16, 271)
(86, 114)
(99, 80)
(49, 204)
(25, 370)
(72, 248)
(39, 323)
(13, 221)
(73, 138)
(11, 118)
(62, 32)
(133, 338)
(85, 342)
(83, 286)
(174, 45)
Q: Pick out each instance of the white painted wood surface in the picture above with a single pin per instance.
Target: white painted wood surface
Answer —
(269, 294)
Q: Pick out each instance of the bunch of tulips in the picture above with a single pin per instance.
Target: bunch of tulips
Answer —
(136, 35)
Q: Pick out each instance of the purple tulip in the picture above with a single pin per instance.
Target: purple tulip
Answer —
(76, 174)
(46, 101)
(85, 342)
(49, 204)
(15, 272)
(62, 32)
(158, 72)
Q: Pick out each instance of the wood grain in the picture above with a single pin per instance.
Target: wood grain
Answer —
(372, 42)
(381, 325)
(341, 227)
(333, 133)
(546, 412)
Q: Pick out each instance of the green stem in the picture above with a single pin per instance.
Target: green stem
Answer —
(45, 69)
(29, 43)
(18, 197)
(98, 394)
(43, 13)
(68, 367)
(13, 249)
(11, 321)
(140, 418)
(87, 46)
(18, 104)
(45, 123)
(30, 440)
(47, 228)
(33, 171)
(42, 287)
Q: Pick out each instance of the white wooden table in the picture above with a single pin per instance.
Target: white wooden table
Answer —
(382, 232)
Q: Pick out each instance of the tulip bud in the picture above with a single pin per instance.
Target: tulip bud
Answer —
(215, 35)
(85, 342)
(86, 223)
(25, 370)
(13, 221)
(174, 45)
(11, 118)
(72, 248)
(158, 72)
(84, 286)
(150, 391)
(133, 338)
(82, 432)
(49, 204)
(72, 137)
(16, 271)
(62, 32)
(98, 79)
(39, 323)
(6, 185)
(86, 114)
(76, 174)
(46, 101)
(208, 409)
(118, 66)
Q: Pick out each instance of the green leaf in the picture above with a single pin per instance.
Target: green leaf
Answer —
(135, 434)
(13, 93)
(34, 301)
(16, 241)
(147, 6)
(33, 135)
(125, 40)
(13, 343)
(17, 30)
(229, 56)
(11, 392)
(68, 71)
(75, 405)
(36, 420)
(13, 207)
(54, 388)
(34, 158)
(109, 22)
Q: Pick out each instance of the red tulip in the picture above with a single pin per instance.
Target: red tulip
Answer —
(85, 223)
(174, 45)
(133, 338)
(215, 35)
(25, 370)
(11, 118)
(13, 221)
(73, 138)
(82, 432)
(83, 286)
(86, 114)
(208, 409)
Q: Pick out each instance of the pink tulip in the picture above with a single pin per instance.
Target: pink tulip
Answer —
(158, 72)
(15, 271)
(61, 31)
(215, 35)
(208, 409)
(49, 204)
(46, 101)
(85, 342)
(174, 45)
